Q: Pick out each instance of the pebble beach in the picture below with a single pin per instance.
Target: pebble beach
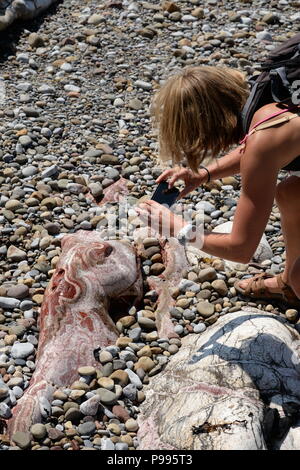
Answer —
(77, 84)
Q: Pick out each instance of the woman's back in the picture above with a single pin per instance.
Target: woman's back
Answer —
(281, 132)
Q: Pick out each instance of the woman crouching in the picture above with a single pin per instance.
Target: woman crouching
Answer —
(198, 113)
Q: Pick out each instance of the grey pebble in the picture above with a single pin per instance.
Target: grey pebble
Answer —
(13, 397)
(38, 431)
(121, 446)
(8, 302)
(135, 334)
(188, 314)
(29, 171)
(130, 391)
(178, 329)
(22, 350)
(114, 350)
(106, 396)
(22, 439)
(107, 444)
(5, 412)
(50, 171)
(199, 328)
(107, 369)
(90, 406)
(127, 356)
(144, 85)
(147, 323)
(27, 305)
(134, 379)
(25, 140)
(87, 428)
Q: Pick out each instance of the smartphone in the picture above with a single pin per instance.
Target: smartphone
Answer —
(165, 195)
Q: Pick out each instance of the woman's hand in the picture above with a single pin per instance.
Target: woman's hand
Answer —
(160, 218)
(192, 180)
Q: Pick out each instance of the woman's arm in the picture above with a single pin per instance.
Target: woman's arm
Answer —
(226, 166)
(259, 170)
(259, 167)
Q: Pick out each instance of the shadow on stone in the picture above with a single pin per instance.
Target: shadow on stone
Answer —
(236, 386)
(10, 37)
(275, 427)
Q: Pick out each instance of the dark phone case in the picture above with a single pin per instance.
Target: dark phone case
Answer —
(164, 195)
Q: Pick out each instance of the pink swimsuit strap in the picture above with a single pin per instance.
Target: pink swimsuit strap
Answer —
(266, 119)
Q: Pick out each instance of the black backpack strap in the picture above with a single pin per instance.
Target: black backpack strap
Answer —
(280, 86)
(254, 101)
(245, 111)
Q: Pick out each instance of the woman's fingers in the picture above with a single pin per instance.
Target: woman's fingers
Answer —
(165, 175)
(179, 175)
(159, 218)
(172, 180)
(184, 192)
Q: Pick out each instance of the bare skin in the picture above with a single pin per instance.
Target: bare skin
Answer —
(295, 277)
(266, 153)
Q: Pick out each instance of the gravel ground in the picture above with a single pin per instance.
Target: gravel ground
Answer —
(74, 118)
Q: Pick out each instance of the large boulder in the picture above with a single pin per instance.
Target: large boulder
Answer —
(226, 388)
(11, 10)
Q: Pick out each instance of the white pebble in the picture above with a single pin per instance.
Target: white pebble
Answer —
(199, 328)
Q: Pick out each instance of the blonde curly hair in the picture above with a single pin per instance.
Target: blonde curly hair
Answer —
(197, 113)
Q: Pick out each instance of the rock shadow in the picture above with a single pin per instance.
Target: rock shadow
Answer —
(10, 37)
(273, 367)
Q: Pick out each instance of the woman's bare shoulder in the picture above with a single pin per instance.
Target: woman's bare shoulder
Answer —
(265, 111)
(280, 142)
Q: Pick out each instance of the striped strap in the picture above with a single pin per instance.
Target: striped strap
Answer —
(263, 124)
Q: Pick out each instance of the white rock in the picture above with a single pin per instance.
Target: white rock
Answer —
(189, 18)
(45, 407)
(73, 88)
(143, 85)
(50, 171)
(95, 19)
(46, 90)
(25, 86)
(292, 439)
(199, 328)
(134, 378)
(23, 57)
(118, 102)
(9, 302)
(107, 444)
(66, 67)
(222, 376)
(21, 350)
(206, 206)
(90, 406)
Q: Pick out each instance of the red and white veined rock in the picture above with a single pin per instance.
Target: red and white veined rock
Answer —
(74, 318)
